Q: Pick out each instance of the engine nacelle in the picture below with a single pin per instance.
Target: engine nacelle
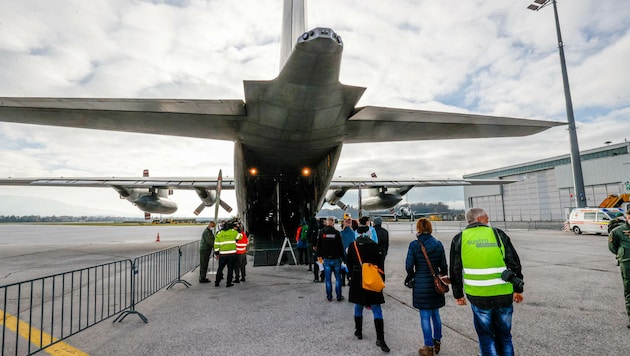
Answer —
(333, 197)
(155, 204)
(405, 210)
(380, 198)
(380, 201)
(208, 197)
(148, 200)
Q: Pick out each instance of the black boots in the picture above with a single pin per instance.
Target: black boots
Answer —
(380, 335)
(380, 332)
(358, 327)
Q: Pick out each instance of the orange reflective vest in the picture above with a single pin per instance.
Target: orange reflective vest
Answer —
(241, 245)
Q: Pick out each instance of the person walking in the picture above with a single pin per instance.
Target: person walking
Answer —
(482, 259)
(330, 248)
(301, 238)
(347, 238)
(313, 233)
(206, 246)
(619, 244)
(425, 298)
(365, 221)
(365, 250)
(382, 236)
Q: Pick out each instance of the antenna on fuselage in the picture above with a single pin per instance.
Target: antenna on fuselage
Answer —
(293, 26)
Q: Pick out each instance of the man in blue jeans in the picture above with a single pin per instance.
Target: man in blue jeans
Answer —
(330, 248)
(481, 259)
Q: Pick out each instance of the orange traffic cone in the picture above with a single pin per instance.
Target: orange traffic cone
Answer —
(158, 238)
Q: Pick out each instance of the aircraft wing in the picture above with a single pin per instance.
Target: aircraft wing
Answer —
(349, 183)
(212, 119)
(145, 182)
(381, 124)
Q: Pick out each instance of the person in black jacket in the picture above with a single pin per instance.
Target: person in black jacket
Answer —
(425, 297)
(369, 253)
(313, 231)
(383, 237)
(330, 248)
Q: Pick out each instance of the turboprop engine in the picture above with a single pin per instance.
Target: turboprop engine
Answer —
(380, 198)
(333, 197)
(209, 198)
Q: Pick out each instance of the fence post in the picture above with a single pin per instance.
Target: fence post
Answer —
(179, 271)
(132, 307)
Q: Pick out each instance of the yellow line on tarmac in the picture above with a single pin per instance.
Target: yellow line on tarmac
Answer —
(21, 327)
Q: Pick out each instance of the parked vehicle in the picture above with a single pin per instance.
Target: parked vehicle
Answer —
(591, 220)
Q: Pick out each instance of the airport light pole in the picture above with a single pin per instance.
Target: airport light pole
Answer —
(578, 178)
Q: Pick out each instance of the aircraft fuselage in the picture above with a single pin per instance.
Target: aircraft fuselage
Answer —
(295, 121)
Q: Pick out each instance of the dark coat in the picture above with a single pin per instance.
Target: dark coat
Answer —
(313, 231)
(424, 294)
(329, 244)
(383, 239)
(369, 253)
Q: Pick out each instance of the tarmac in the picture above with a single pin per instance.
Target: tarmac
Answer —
(573, 304)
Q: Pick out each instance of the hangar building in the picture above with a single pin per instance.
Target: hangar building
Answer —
(544, 188)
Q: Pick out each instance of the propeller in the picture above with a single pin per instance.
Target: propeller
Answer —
(216, 206)
(225, 206)
(199, 208)
(208, 198)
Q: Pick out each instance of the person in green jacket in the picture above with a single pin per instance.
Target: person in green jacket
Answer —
(206, 246)
(619, 244)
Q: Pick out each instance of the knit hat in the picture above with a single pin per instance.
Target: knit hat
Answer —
(378, 221)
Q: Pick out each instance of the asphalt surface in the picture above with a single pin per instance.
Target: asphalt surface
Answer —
(573, 301)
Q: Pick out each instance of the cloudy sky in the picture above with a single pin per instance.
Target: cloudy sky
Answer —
(491, 57)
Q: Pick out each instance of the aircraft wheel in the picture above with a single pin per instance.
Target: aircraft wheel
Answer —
(576, 230)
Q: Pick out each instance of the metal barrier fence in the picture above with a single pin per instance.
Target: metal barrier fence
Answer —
(41, 312)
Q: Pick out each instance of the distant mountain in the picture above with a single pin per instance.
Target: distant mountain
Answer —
(15, 205)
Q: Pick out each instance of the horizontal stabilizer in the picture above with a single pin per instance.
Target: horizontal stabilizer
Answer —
(381, 124)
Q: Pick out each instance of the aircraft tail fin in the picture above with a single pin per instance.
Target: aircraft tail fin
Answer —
(293, 25)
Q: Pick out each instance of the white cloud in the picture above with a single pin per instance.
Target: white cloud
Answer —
(490, 57)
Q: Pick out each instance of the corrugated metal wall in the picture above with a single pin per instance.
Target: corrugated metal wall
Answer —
(546, 195)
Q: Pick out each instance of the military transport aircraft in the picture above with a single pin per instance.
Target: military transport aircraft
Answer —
(287, 132)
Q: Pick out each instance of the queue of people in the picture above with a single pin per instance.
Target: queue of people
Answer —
(485, 270)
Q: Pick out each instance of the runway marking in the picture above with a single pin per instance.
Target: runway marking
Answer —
(21, 327)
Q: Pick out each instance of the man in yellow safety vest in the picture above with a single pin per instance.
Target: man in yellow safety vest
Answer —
(485, 266)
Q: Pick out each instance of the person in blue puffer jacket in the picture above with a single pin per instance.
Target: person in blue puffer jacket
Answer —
(425, 297)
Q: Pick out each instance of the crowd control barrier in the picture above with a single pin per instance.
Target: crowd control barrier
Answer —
(41, 312)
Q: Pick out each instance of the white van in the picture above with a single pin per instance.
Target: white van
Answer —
(593, 220)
